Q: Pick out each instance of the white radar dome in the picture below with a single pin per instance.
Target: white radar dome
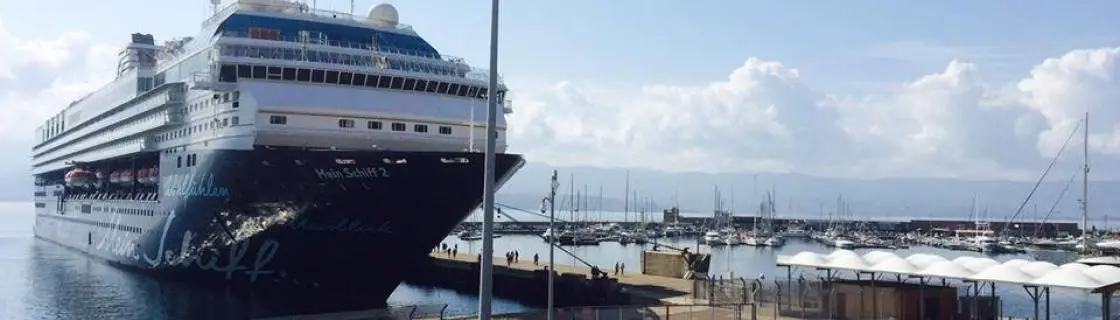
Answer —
(384, 15)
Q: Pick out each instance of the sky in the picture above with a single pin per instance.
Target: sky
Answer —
(852, 89)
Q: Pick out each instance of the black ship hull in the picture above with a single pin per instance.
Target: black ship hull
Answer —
(278, 218)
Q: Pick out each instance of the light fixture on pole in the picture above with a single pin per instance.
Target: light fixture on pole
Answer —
(485, 283)
(551, 202)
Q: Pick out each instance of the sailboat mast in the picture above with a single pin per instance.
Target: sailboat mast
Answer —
(600, 202)
(626, 206)
(572, 197)
(1085, 188)
(585, 202)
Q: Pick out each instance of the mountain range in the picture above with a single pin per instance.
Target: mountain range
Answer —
(794, 194)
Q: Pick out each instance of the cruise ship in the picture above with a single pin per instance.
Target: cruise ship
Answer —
(280, 146)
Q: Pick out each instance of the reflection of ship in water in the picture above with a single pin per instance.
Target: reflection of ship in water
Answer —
(72, 285)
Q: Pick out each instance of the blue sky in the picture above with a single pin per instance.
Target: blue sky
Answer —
(955, 89)
(673, 42)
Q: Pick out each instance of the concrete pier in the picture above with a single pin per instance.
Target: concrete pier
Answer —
(525, 282)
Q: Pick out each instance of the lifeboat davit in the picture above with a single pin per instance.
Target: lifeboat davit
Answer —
(153, 175)
(100, 178)
(142, 176)
(115, 177)
(127, 178)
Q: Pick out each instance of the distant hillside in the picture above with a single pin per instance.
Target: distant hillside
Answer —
(695, 192)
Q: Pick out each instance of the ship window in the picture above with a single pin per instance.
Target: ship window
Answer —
(244, 71)
(445, 130)
(225, 122)
(259, 72)
(397, 83)
(278, 119)
(432, 86)
(289, 74)
(263, 33)
(235, 121)
(397, 126)
(359, 79)
(409, 84)
(179, 162)
(303, 75)
(481, 93)
(472, 91)
(443, 88)
(236, 95)
(420, 85)
(384, 82)
(345, 123)
(453, 89)
(274, 73)
(373, 125)
(332, 77)
(236, 104)
(345, 78)
(371, 81)
(228, 73)
(420, 128)
(317, 76)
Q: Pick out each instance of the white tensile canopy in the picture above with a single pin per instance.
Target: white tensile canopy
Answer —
(1102, 279)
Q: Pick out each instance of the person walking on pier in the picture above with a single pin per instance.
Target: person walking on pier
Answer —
(536, 260)
(516, 256)
(455, 252)
(616, 269)
(622, 268)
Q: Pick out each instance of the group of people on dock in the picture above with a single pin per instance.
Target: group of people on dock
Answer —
(450, 251)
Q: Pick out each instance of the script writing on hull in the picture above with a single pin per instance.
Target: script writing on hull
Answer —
(352, 173)
(209, 259)
(193, 185)
(345, 225)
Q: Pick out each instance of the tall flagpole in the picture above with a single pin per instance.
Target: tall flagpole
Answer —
(485, 282)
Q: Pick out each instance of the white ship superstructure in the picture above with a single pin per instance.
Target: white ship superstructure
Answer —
(240, 83)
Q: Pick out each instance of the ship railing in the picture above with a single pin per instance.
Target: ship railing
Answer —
(625, 312)
(296, 8)
(368, 61)
(312, 40)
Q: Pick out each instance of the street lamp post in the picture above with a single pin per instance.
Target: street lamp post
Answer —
(551, 201)
(485, 283)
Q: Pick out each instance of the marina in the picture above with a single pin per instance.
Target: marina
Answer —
(765, 268)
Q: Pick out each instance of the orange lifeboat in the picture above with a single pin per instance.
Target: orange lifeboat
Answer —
(142, 176)
(127, 178)
(72, 177)
(115, 177)
(89, 179)
(153, 175)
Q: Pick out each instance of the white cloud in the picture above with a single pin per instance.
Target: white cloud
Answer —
(38, 77)
(761, 118)
(764, 117)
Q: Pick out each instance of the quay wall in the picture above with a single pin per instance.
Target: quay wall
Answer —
(527, 285)
(1026, 228)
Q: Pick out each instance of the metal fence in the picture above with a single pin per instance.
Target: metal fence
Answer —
(663, 312)
(801, 297)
